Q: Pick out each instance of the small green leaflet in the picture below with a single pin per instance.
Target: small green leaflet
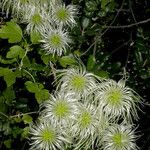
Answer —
(67, 61)
(9, 95)
(9, 76)
(27, 119)
(12, 32)
(41, 94)
(32, 87)
(35, 37)
(15, 51)
(91, 62)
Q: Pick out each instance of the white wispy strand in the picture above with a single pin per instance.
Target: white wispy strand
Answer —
(60, 109)
(119, 137)
(6, 6)
(117, 100)
(55, 40)
(19, 7)
(84, 126)
(44, 136)
(36, 18)
(103, 122)
(76, 80)
(65, 15)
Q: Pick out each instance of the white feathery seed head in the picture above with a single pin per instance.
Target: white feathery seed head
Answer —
(19, 7)
(6, 6)
(64, 15)
(44, 136)
(117, 100)
(35, 18)
(103, 122)
(84, 126)
(60, 109)
(76, 80)
(119, 137)
(55, 41)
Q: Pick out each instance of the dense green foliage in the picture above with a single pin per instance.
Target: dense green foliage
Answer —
(109, 38)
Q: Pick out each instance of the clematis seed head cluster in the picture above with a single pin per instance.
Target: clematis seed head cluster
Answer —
(87, 112)
(51, 19)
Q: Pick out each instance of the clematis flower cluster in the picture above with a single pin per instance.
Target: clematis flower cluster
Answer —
(50, 19)
(86, 112)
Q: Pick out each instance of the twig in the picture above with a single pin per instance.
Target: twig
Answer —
(115, 50)
(89, 47)
(22, 114)
(4, 115)
(19, 115)
(129, 25)
(130, 6)
(108, 27)
(128, 52)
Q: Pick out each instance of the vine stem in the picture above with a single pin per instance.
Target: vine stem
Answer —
(25, 54)
(30, 75)
(19, 115)
(4, 115)
(22, 114)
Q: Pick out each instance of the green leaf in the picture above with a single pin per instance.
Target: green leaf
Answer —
(27, 119)
(35, 37)
(15, 51)
(4, 71)
(25, 132)
(91, 62)
(48, 58)
(104, 3)
(10, 79)
(9, 95)
(102, 74)
(12, 32)
(9, 61)
(9, 76)
(32, 87)
(40, 86)
(17, 119)
(16, 131)
(7, 143)
(42, 95)
(26, 62)
(3, 106)
(67, 61)
(91, 6)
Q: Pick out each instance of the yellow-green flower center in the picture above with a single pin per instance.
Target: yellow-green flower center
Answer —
(114, 97)
(61, 109)
(48, 135)
(36, 19)
(78, 82)
(85, 119)
(62, 14)
(119, 140)
(23, 2)
(55, 40)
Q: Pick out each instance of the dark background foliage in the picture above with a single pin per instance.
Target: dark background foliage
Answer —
(112, 38)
